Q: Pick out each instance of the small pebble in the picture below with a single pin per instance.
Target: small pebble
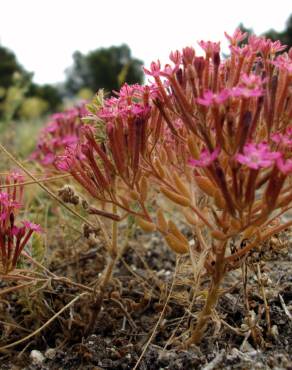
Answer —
(50, 353)
(275, 331)
(37, 357)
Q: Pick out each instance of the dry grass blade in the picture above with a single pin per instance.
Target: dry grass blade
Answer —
(32, 260)
(46, 179)
(5, 323)
(14, 288)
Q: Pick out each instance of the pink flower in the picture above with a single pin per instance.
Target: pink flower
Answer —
(210, 47)
(15, 176)
(62, 130)
(155, 69)
(66, 162)
(13, 238)
(283, 139)
(51, 127)
(240, 51)
(111, 109)
(249, 86)
(255, 43)
(175, 57)
(251, 81)
(140, 110)
(257, 156)
(48, 159)
(132, 101)
(188, 55)
(276, 47)
(206, 158)
(284, 63)
(69, 140)
(169, 71)
(127, 91)
(15, 190)
(31, 226)
(237, 36)
(271, 47)
(209, 98)
(4, 200)
(284, 166)
(246, 93)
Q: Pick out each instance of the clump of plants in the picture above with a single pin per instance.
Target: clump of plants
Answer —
(207, 143)
(211, 136)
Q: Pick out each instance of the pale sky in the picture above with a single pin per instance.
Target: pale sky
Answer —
(45, 33)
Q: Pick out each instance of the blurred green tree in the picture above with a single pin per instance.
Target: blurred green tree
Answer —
(285, 36)
(9, 67)
(106, 68)
(48, 93)
(14, 81)
(16, 86)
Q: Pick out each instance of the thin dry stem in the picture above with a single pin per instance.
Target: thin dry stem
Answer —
(245, 250)
(267, 308)
(212, 298)
(46, 179)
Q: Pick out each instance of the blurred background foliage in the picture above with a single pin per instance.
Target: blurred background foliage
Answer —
(23, 99)
(108, 68)
(285, 36)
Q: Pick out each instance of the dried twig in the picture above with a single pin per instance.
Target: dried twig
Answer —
(216, 361)
(285, 308)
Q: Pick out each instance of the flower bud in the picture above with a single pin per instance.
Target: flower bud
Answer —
(176, 244)
(176, 198)
(145, 225)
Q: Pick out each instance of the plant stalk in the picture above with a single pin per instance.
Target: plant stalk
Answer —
(204, 315)
(212, 298)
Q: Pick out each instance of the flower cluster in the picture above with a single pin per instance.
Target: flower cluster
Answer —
(235, 112)
(13, 238)
(283, 139)
(88, 164)
(126, 118)
(62, 130)
(204, 131)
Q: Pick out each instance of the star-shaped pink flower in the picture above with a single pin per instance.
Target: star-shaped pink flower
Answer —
(257, 156)
(206, 158)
